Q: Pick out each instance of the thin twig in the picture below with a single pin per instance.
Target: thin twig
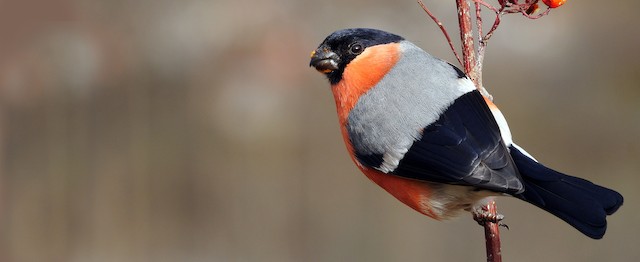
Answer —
(444, 31)
(485, 4)
(483, 39)
(546, 12)
(495, 25)
(478, 18)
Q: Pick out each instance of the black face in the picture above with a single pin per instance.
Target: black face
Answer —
(339, 48)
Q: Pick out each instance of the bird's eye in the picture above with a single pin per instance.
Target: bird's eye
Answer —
(356, 48)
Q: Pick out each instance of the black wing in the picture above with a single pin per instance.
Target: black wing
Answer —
(463, 147)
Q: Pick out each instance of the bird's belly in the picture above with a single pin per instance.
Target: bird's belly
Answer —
(436, 200)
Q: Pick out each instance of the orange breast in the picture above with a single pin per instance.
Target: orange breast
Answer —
(413, 193)
(362, 74)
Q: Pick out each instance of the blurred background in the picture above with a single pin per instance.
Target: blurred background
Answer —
(195, 131)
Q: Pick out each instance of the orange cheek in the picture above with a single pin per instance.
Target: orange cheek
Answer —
(363, 73)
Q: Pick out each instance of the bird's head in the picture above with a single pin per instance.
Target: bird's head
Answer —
(343, 46)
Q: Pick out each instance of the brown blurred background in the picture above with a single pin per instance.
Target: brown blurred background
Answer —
(195, 131)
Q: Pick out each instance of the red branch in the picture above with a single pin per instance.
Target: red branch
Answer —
(492, 234)
(481, 46)
(466, 35)
(491, 230)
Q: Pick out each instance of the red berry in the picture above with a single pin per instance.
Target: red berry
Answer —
(554, 3)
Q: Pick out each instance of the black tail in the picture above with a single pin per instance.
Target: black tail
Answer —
(580, 203)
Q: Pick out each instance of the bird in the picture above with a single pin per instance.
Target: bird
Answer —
(418, 127)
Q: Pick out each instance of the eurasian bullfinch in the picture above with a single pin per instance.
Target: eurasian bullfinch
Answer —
(417, 126)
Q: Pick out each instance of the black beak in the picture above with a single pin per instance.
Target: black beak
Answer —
(324, 60)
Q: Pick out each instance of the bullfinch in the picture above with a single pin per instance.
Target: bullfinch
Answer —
(418, 127)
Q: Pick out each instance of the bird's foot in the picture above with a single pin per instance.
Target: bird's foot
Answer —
(482, 215)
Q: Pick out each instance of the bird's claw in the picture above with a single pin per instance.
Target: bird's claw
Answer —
(481, 215)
